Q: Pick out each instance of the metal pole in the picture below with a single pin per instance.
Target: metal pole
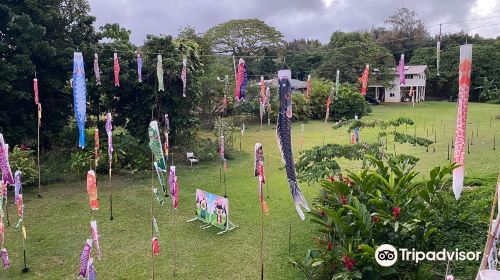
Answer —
(25, 269)
(175, 243)
(110, 184)
(290, 238)
(152, 213)
(448, 158)
(38, 150)
(151, 221)
(262, 244)
(7, 211)
(225, 186)
(267, 141)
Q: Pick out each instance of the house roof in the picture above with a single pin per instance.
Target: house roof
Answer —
(414, 69)
(294, 83)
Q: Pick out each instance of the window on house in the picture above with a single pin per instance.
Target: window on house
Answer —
(391, 94)
(408, 76)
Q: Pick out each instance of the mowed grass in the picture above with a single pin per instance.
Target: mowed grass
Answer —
(58, 223)
(435, 121)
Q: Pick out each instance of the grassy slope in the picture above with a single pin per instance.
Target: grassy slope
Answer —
(58, 224)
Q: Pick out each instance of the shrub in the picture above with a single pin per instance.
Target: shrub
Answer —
(228, 130)
(320, 89)
(378, 205)
(250, 105)
(24, 161)
(205, 149)
(54, 165)
(129, 153)
(349, 103)
(344, 106)
(302, 111)
(80, 161)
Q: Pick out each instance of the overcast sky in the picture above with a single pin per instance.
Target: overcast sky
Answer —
(312, 19)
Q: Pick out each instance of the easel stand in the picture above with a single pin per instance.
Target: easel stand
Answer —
(230, 225)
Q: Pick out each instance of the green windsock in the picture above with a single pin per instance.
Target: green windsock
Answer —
(156, 149)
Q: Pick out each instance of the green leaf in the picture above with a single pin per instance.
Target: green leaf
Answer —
(428, 233)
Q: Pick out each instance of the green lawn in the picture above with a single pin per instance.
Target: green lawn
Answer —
(58, 223)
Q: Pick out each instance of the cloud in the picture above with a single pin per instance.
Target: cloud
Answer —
(314, 19)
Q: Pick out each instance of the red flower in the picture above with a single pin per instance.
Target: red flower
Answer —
(343, 199)
(331, 178)
(395, 212)
(375, 219)
(329, 245)
(322, 214)
(348, 262)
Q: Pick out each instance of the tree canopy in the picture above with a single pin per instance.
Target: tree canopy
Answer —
(42, 36)
(351, 52)
(244, 37)
(39, 36)
(485, 59)
(406, 32)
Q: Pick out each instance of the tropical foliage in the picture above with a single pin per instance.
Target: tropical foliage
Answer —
(381, 204)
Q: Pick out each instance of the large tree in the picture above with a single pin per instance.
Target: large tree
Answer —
(303, 56)
(242, 37)
(303, 44)
(351, 52)
(405, 32)
(113, 32)
(133, 103)
(39, 36)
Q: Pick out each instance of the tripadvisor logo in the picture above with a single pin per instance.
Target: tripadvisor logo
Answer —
(387, 255)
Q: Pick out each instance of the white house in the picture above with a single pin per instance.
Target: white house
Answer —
(415, 75)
